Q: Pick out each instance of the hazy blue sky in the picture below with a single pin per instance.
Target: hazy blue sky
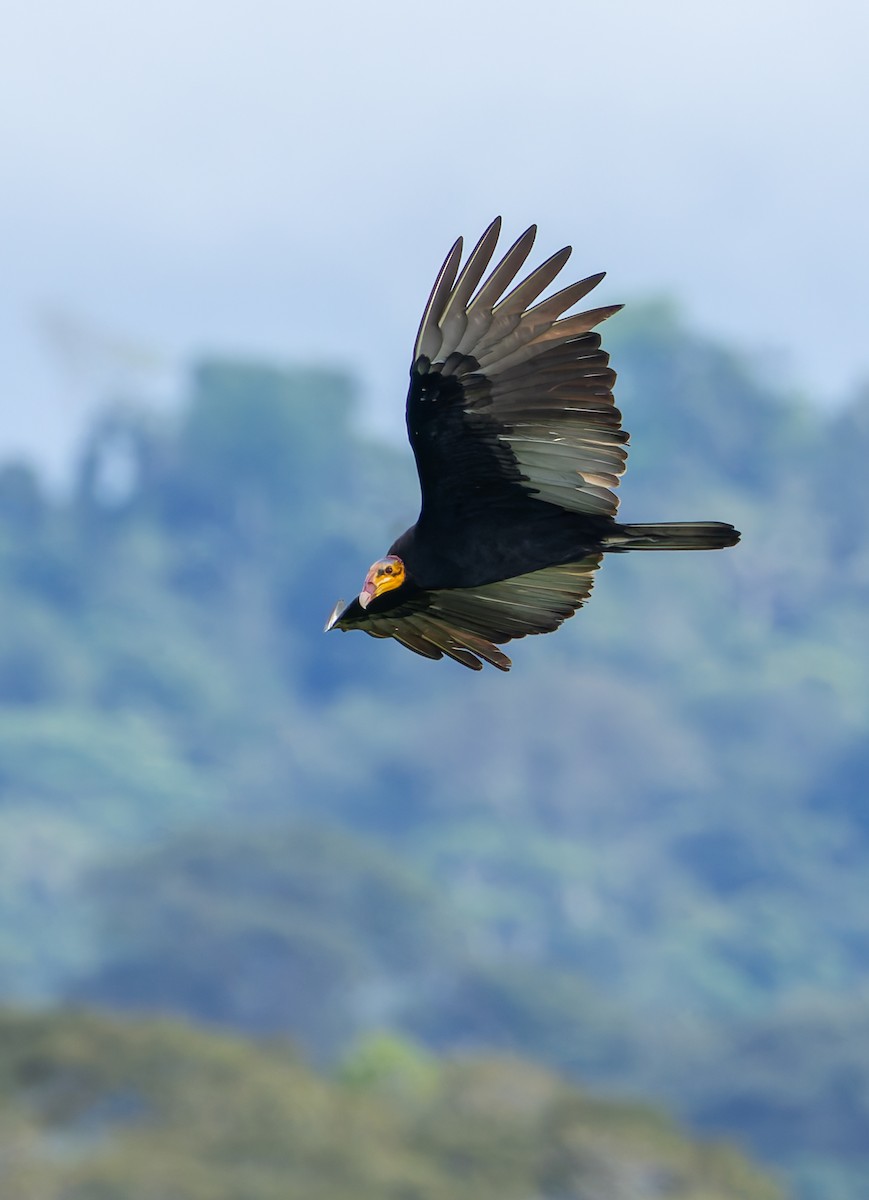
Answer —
(284, 179)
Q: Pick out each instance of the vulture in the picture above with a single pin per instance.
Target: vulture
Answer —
(518, 446)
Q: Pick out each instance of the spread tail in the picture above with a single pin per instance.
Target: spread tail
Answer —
(675, 535)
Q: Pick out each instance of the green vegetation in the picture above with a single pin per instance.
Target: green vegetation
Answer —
(640, 859)
(95, 1109)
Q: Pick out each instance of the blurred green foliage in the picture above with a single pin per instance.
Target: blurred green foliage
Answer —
(95, 1109)
(635, 858)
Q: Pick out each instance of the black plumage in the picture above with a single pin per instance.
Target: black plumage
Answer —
(518, 445)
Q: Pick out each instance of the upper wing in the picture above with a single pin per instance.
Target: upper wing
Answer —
(465, 623)
(508, 400)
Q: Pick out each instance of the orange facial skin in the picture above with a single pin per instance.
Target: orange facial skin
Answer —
(383, 576)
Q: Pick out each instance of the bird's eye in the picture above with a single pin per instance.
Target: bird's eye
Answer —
(387, 570)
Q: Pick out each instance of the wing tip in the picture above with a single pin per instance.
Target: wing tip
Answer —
(334, 616)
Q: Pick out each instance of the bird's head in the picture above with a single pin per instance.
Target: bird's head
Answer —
(383, 576)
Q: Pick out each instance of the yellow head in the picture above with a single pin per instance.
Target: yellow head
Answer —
(383, 576)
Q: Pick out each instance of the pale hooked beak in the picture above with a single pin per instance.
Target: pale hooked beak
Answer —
(369, 587)
(336, 613)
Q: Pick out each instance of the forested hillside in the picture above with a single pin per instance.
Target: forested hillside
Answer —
(95, 1109)
(640, 859)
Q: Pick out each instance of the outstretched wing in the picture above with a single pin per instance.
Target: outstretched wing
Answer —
(467, 624)
(509, 401)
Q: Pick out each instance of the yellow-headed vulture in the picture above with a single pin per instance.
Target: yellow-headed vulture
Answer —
(518, 444)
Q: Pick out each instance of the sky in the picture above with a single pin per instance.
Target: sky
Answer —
(278, 180)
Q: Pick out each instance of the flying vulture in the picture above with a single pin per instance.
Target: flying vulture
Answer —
(518, 445)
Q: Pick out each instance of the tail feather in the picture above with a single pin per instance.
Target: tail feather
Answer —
(674, 535)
